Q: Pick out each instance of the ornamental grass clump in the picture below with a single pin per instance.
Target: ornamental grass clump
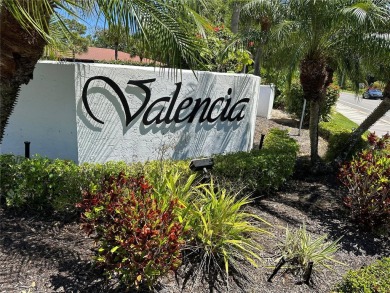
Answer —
(139, 238)
(299, 248)
(367, 178)
(221, 230)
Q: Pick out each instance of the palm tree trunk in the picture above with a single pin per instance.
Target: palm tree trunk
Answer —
(313, 130)
(116, 50)
(20, 50)
(257, 64)
(313, 78)
(377, 114)
(235, 17)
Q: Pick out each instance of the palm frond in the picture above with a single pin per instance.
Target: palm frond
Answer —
(161, 25)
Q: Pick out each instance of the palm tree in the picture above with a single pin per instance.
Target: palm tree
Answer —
(115, 35)
(24, 27)
(71, 40)
(236, 10)
(261, 16)
(312, 38)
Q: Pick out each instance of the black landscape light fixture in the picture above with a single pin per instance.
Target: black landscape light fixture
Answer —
(27, 149)
(202, 164)
(308, 273)
(261, 141)
(281, 262)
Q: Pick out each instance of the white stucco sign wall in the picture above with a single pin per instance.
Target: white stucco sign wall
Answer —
(97, 113)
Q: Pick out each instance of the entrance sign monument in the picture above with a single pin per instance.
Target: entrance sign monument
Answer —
(103, 112)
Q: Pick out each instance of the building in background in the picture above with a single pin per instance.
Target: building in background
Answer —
(95, 54)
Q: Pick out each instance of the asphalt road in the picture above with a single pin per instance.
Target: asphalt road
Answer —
(357, 109)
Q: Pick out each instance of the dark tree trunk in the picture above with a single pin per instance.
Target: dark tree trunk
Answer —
(20, 50)
(314, 78)
(235, 17)
(257, 64)
(377, 114)
(116, 50)
(313, 130)
(265, 24)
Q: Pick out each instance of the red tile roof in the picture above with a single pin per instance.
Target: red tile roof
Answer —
(102, 54)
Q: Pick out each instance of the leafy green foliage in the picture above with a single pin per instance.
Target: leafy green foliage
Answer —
(158, 169)
(318, 36)
(40, 184)
(8, 170)
(138, 234)
(261, 170)
(172, 179)
(367, 178)
(167, 29)
(44, 185)
(73, 39)
(112, 39)
(299, 248)
(337, 131)
(220, 230)
(374, 278)
(94, 173)
(294, 102)
(216, 228)
(220, 56)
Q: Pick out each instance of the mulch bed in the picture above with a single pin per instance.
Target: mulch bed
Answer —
(53, 255)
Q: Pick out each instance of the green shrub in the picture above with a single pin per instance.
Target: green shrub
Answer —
(39, 183)
(337, 131)
(138, 234)
(94, 173)
(44, 185)
(9, 168)
(261, 170)
(374, 278)
(294, 102)
(332, 95)
(279, 101)
(367, 178)
(298, 249)
(220, 230)
(158, 169)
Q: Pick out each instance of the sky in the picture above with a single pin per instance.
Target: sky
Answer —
(92, 22)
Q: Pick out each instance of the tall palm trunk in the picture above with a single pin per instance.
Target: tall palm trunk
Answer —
(116, 50)
(313, 129)
(313, 77)
(265, 24)
(377, 114)
(235, 17)
(20, 50)
(257, 65)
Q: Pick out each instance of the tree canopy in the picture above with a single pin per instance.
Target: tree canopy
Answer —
(318, 37)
